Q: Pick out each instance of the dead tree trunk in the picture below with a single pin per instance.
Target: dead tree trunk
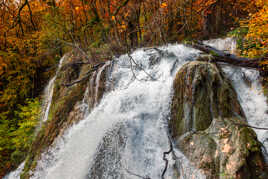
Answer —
(220, 56)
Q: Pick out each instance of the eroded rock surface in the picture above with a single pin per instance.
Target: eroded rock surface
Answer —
(204, 117)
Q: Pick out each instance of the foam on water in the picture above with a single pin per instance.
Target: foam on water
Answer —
(249, 89)
(48, 93)
(143, 103)
(143, 106)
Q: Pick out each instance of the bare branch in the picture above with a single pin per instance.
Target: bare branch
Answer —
(119, 7)
(139, 66)
(246, 125)
(31, 14)
(94, 68)
(165, 159)
(134, 174)
(221, 56)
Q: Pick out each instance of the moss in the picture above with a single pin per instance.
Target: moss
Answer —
(204, 96)
(249, 138)
(265, 89)
(63, 102)
(202, 109)
(62, 111)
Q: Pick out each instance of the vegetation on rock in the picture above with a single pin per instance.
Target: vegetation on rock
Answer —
(35, 34)
(204, 125)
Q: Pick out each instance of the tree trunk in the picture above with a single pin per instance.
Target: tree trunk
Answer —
(220, 56)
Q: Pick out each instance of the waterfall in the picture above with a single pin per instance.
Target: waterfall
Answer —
(251, 97)
(15, 174)
(98, 81)
(140, 105)
(48, 93)
(126, 134)
(249, 90)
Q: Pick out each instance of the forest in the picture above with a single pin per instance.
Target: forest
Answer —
(35, 34)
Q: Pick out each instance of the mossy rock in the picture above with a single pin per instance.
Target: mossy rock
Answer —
(201, 93)
(265, 88)
(64, 110)
(204, 116)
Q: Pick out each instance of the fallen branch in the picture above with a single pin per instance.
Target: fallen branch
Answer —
(139, 66)
(134, 174)
(221, 56)
(94, 68)
(246, 125)
(165, 159)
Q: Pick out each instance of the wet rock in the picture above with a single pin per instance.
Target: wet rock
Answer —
(67, 107)
(205, 111)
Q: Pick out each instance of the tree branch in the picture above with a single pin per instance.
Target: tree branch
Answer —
(78, 48)
(119, 7)
(31, 14)
(220, 56)
(139, 66)
(94, 68)
(134, 174)
(246, 125)
(165, 159)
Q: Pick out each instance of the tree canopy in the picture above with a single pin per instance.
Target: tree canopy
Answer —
(34, 34)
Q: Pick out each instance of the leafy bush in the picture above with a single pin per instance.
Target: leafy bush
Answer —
(16, 134)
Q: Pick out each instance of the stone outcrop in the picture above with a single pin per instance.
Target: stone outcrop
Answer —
(66, 107)
(204, 116)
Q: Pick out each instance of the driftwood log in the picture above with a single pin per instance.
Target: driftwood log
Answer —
(223, 57)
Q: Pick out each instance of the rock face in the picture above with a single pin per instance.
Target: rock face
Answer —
(204, 116)
(66, 107)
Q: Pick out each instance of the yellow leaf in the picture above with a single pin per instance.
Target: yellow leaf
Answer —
(163, 5)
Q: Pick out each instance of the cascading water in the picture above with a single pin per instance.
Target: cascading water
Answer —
(140, 105)
(97, 81)
(47, 99)
(249, 90)
(125, 135)
(251, 97)
(48, 93)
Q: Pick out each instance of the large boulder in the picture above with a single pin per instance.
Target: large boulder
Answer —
(204, 124)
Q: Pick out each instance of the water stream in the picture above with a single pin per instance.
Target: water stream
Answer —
(48, 93)
(126, 133)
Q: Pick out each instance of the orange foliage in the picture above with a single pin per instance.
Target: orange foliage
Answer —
(32, 29)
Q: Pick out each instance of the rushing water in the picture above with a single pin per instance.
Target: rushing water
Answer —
(48, 93)
(249, 89)
(126, 133)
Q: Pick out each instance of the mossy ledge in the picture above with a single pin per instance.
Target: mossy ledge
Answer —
(203, 115)
(64, 110)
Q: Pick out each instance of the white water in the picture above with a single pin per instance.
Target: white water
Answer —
(251, 98)
(142, 106)
(249, 90)
(98, 81)
(15, 174)
(48, 93)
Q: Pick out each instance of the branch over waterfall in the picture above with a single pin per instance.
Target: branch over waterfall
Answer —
(223, 57)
